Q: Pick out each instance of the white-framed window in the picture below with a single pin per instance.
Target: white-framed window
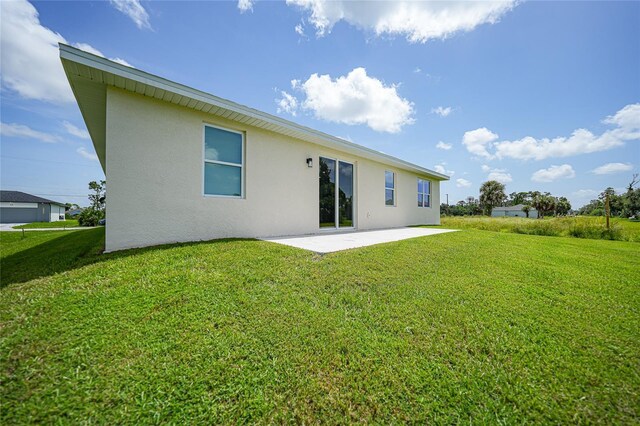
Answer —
(223, 162)
(424, 193)
(389, 188)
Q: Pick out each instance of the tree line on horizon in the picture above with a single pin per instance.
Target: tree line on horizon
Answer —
(493, 194)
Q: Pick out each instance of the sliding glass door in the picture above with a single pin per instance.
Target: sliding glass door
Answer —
(345, 195)
(327, 193)
(336, 194)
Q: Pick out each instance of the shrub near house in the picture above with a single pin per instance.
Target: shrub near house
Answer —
(91, 216)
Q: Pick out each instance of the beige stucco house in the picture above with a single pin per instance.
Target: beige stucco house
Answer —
(184, 165)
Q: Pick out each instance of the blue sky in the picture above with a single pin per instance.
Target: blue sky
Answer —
(540, 95)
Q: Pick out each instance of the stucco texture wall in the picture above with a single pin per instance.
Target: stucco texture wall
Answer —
(154, 172)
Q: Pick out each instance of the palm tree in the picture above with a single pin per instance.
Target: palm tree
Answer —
(491, 195)
(543, 203)
(526, 209)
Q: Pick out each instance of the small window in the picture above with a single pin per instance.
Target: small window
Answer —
(424, 193)
(223, 162)
(390, 188)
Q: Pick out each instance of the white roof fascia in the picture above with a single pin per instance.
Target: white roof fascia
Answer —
(99, 63)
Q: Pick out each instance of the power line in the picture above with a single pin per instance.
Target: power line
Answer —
(61, 195)
(46, 161)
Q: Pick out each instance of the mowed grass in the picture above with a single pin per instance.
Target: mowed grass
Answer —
(69, 223)
(464, 327)
(592, 227)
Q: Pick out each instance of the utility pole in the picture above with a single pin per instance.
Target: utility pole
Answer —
(447, 199)
(607, 208)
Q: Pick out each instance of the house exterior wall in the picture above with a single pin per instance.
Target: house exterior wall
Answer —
(533, 213)
(18, 212)
(55, 212)
(154, 168)
(29, 212)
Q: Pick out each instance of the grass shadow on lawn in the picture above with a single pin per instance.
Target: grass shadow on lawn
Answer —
(44, 255)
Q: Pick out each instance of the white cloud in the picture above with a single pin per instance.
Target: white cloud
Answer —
(462, 183)
(585, 193)
(477, 140)
(134, 10)
(444, 146)
(14, 130)
(610, 168)
(501, 175)
(581, 141)
(299, 30)
(418, 21)
(88, 48)
(353, 99)
(417, 70)
(288, 103)
(627, 118)
(442, 170)
(30, 63)
(553, 173)
(442, 111)
(121, 62)
(86, 154)
(245, 5)
(75, 131)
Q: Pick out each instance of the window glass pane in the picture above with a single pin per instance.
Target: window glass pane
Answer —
(388, 180)
(220, 179)
(327, 192)
(420, 186)
(427, 201)
(419, 199)
(388, 193)
(427, 187)
(345, 194)
(221, 145)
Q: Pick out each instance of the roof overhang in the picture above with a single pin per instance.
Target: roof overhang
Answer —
(89, 76)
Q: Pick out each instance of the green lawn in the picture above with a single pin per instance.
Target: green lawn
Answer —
(464, 327)
(592, 227)
(70, 223)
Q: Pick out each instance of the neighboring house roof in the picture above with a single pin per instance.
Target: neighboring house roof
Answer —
(89, 75)
(23, 197)
(517, 207)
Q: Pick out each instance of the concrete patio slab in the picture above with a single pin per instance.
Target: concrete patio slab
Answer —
(327, 243)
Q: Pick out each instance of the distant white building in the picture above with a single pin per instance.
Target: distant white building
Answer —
(513, 211)
(19, 207)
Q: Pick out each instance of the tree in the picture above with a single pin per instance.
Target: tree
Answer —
(516, 198)
(563, 206)
(491, 195)
(631, 204)
(467, 207)
(93, 214)
(593, 208)
(543, 203)
(70, 206)
(606, 196)
(526, 209)
(97, 198)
